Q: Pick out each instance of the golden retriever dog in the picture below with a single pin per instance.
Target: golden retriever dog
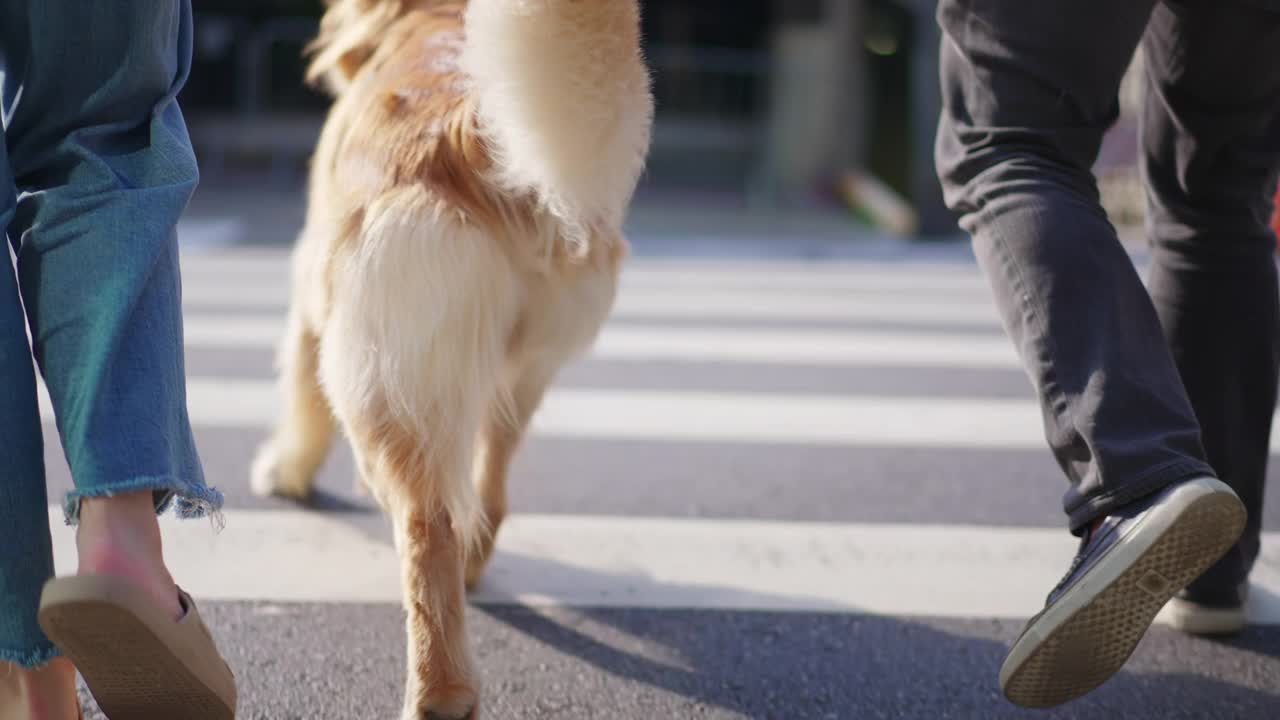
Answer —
(462, 242)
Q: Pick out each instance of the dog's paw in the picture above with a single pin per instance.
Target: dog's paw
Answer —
(475, 570)
(430, 715)
(478, 559)
(421, 714)
(453, 699)
(268, 478)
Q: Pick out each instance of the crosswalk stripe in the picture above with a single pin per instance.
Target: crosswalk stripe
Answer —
(693, 303)
(957, 280)
(203, 330)
(831, 348)
(272, 291)
(837, 348)
(272, 268)
(743, 418)
(890, 283)
(213, 294)
(204, 235)
(565, 560)
(703, 416)
(746, 304)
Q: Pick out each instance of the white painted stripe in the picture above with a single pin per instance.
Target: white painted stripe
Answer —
(908, 309)
(207, 234)
(833, 348)
(262, 290)
(244, 331)
(743, 304)
(237, 260)
(895, 281)
(962, 279)
(273, 265)
(746, 418)
(829, 348)
(898, 570)
(852, 420)
(230, 293)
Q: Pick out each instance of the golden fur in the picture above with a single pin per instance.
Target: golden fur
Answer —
(463, 240)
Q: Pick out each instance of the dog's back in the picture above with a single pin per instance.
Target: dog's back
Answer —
(462, 242)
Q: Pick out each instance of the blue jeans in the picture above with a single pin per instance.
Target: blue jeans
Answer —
(95, 169)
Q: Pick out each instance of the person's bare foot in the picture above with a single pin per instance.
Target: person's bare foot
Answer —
(120, 536)
(44, 693)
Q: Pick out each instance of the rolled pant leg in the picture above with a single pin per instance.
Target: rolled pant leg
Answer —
(1211, 151)
(26, 561)
(1029, 89)
(104, 167)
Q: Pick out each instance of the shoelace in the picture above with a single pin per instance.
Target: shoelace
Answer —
(1075, 565)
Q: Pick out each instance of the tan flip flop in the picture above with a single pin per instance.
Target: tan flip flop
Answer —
(139, 663)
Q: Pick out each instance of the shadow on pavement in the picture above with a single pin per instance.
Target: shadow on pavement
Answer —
(825, 665)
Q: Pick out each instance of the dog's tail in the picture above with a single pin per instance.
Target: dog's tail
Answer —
(563, 99)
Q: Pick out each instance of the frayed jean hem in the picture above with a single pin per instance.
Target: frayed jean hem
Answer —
(30, 659)
(189, 500)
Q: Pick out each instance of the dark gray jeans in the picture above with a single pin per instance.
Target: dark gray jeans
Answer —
(1136, 394)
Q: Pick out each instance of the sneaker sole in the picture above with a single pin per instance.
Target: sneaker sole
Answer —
(1085, 637)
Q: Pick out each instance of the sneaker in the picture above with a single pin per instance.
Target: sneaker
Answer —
(1127, 569)
(1201, 613)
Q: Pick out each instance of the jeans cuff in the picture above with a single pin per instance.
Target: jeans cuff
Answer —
(189, 499)
(1161, 477)
(30, 659)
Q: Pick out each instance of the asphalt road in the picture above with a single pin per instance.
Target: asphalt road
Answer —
(942, 444)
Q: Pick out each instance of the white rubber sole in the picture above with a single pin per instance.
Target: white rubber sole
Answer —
(1088, 634)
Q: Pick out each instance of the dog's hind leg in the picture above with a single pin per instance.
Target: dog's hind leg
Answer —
(286, 464)
(499, 437)
(423, 309)
(441, 683)
(419, 470)
(560, 319)
(408, 478)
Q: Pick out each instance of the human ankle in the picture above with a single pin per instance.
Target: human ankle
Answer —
(47, 692)
(120, 536)
(128, 518)
(130, 511)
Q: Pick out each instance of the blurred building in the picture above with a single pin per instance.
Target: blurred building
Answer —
(760, 102)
